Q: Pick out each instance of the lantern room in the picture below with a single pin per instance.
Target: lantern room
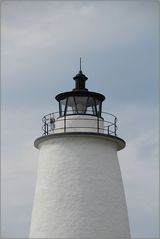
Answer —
(80, 101)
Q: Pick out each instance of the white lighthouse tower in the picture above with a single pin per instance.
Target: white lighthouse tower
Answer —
(79, 191)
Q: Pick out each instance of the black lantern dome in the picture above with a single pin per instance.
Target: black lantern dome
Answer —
(80, 101)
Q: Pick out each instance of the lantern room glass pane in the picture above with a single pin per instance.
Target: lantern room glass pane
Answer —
(71, 107)
(81, 102)
(98, 107)
(62, 105)
(91, 107)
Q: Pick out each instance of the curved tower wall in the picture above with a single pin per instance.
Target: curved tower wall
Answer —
(79, 123)
(79, 191)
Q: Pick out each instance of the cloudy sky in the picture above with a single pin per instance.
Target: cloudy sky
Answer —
(41, 45)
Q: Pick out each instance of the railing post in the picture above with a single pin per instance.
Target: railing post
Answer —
(65, 124)
(97, 124)
(115, 126)
(45, 126)
(46, 129)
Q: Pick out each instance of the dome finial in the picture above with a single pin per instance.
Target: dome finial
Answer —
(80, 64)
(80, 68)
(80, 79)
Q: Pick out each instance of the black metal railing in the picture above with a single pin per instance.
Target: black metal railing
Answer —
(109, 121)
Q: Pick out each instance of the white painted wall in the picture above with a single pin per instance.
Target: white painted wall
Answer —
(79, 190)
(79, 123)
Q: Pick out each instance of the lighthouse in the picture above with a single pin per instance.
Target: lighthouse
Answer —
(79, 189)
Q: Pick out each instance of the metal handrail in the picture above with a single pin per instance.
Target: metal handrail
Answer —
(110, 126)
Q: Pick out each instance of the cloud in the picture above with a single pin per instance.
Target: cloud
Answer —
(69, 27)
(41, 44)
(140, 171)
(140, 177)
(18, 177)
(69, 23)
